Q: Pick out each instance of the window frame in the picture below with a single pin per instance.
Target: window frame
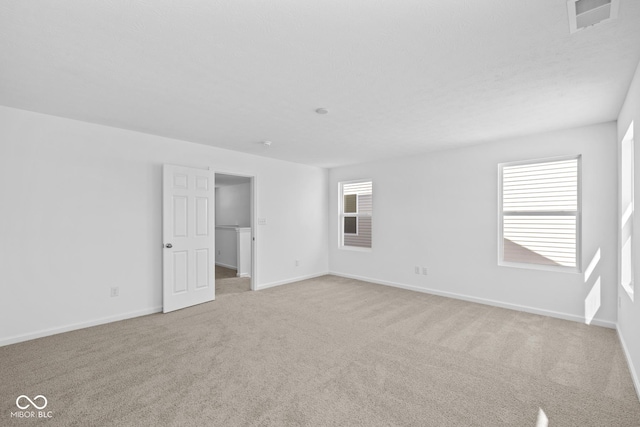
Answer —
(357, 215)
(578, 216)
(626, 214)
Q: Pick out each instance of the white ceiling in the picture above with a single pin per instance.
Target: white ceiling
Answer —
(399, 77)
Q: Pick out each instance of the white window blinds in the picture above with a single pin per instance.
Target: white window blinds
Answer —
(540, 213)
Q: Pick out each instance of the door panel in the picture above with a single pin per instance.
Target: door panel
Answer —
(180, 216)
(180, 267)
(203, 259)
(188, 262)
(202, 216)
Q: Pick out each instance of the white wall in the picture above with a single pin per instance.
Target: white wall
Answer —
(227, 248)
(233, 205)
(81, 212)
(629, 311)
(440, 211)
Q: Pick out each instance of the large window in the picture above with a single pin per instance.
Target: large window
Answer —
(539, 214)
(356, 211)
(627, 249)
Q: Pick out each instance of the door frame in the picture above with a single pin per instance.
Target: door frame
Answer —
(253, 214)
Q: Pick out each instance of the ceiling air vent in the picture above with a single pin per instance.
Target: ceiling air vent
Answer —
(585, 13)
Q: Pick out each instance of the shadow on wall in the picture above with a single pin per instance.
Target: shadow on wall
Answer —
(592, 302)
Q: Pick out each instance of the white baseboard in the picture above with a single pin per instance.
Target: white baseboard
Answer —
(284, 282)
(74, 326)
(232, 267)
(493, 303)
(634, 374)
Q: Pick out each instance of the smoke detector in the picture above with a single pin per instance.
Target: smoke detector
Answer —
(585, 13)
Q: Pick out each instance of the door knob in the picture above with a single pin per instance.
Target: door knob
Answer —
(168, 246)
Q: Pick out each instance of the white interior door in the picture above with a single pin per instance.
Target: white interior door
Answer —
(188, 234)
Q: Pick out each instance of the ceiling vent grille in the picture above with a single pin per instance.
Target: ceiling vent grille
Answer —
(585, 13)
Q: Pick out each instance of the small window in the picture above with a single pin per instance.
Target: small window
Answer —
(356, 214)
(540, 209)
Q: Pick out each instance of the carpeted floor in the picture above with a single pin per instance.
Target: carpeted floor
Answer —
(225, 273)
(228, 283)
(325, 352)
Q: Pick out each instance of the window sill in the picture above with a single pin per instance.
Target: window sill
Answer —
(555, 269)
(355, 249)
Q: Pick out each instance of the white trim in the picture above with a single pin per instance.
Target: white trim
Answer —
(232, 267)
(293, 280)
(75, 326)
(516, 307)
(254, 232)
(625, 212)
(634, 375)
(544, 267)
(354, 249)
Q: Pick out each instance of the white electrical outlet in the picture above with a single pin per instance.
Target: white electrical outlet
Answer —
(417, 270)
(115, 291)
(262, 221)
(424, 271)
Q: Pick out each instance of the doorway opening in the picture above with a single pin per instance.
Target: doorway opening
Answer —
(234, 233)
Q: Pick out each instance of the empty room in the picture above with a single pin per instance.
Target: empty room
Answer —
(297, 213)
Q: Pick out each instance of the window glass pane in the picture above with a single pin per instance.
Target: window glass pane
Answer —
(350, 225)
(540, 187)
(549, 240)
(364, 203)
(350, 203)
(363, 238)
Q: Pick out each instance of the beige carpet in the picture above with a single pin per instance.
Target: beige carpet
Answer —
(228, 283)
(325, 352)
(225, 273)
